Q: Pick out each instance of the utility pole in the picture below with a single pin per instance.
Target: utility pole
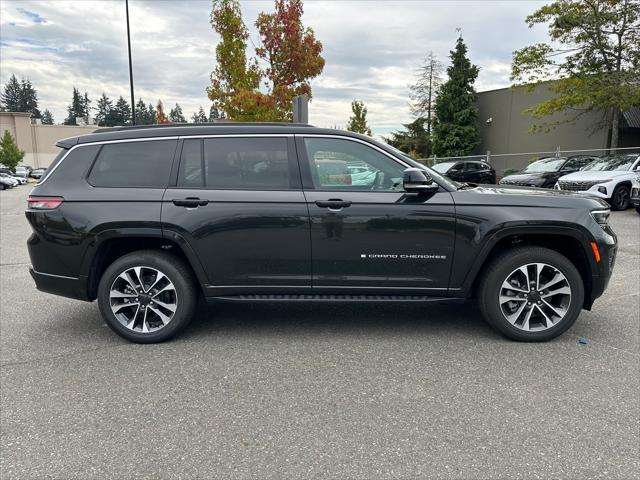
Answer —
(133, 102)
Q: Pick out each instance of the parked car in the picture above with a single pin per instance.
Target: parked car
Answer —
(20, 178)
(148, 219)
(37, 173)
(9, 179)
(472, 171)
(608, 178)
(5, 183)
(544, 173)
(635, 193)
(21, 174)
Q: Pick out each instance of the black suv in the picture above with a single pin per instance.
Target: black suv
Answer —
(147, 220)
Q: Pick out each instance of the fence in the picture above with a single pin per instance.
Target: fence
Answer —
(505, 163)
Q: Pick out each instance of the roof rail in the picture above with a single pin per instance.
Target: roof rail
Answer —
(205, 124)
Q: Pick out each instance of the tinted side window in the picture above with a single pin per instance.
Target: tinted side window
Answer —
(133, 164)
(338, 164)
(235, 163)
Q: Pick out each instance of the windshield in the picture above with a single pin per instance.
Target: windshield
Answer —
(612, 162)
(437, 176)
(443, 167)
(545, 165)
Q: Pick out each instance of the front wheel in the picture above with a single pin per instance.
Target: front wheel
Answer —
(620, 198)
(147, 296)
(531, 294)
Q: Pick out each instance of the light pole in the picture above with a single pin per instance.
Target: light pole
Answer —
(133, 103)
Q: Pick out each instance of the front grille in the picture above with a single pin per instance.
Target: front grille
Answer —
(520, 183)
(576, 186)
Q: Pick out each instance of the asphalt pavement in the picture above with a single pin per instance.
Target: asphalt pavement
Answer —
(323, 391)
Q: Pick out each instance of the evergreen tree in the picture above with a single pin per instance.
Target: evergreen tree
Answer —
(104, 107)
(121, 113)
(10, 99)
(141, 112)
(456, 129)
(152, 116)
(199, 117)
(176, 115)
(358, 121)
(10, 154)
(29, 99)
(215, 114)
(424, 93)
(414, 140)
(47, 118)
(75, 109)
(86, 102)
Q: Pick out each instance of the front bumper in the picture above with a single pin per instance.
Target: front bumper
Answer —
(600, 190)
(607, 246)
(635, 197)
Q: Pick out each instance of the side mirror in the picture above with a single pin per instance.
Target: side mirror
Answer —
(418, 181)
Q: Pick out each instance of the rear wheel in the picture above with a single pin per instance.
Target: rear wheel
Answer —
(531, 294)
(147, 296)
(620, 198)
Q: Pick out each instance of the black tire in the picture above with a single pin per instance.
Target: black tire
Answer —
(177, 272)
(499, 270)
(621, 198)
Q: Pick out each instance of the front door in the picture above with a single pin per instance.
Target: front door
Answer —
(367, 234)
(238, 203)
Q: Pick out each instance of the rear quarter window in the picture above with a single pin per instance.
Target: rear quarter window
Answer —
(133, 164)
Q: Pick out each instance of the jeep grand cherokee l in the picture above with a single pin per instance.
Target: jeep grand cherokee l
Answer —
(147, 220)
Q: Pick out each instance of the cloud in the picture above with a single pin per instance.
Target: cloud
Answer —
(372, 49)
(35, 17)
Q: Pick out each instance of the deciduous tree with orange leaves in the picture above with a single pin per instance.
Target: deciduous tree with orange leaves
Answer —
(161, 117)
(292, 56)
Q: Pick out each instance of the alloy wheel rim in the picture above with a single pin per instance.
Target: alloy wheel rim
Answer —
(535, 297)
(622, 196)
(143, 299)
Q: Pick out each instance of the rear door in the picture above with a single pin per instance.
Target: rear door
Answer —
(237, 202)
(367, 234)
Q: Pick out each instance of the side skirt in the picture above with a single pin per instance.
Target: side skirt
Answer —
(332, 298)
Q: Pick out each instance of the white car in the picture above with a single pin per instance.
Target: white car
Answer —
(9, 180)
(635, 193)
(609, 178)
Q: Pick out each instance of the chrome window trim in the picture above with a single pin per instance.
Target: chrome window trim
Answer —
(352, 139)
(225, 135)
(150, 139)
(103, 142)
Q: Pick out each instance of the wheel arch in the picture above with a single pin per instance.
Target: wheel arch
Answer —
(112, 244)
(570, 242)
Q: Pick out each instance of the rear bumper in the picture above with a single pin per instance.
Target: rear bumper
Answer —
(58, 285)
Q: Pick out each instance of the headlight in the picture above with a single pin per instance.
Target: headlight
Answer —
(601, 216)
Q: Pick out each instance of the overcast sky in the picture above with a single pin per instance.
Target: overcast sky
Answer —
(372, 49)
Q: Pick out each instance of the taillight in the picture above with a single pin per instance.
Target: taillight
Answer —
(44, 203)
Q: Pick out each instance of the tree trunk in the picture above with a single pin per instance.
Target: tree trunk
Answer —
(615, 130)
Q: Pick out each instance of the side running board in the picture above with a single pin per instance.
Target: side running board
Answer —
(333, 298)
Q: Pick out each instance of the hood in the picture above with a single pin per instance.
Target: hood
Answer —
(534, 177)
(512, 195)
(592, 175)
